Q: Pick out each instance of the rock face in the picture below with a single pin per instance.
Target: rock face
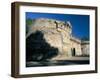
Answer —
(58, 34)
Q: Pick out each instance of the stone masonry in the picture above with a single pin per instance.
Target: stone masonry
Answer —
(59, 35)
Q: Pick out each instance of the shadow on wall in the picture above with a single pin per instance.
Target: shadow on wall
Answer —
(37, 49)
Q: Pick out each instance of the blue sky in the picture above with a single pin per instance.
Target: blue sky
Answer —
(80, 23)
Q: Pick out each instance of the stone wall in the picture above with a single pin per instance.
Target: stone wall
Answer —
(59, 35)
(85, 48)
(76, 45)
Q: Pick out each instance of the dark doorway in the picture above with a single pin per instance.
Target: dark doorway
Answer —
(73, 51)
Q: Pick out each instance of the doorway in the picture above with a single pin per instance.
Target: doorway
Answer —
(73, 52)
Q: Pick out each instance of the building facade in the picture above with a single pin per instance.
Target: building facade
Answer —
(59, 35)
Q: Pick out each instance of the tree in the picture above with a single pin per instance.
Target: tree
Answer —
(28, 22)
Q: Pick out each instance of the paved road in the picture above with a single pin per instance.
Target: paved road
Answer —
(77, 58)
(68, 61)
